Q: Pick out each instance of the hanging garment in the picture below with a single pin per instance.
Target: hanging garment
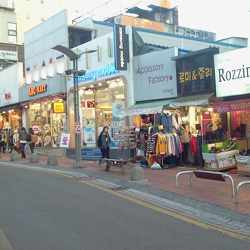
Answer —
(161, 145)
(166, 121)
(193, 145)
(151, 142)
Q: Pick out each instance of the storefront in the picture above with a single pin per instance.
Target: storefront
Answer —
(103, 101)
(232, 90)
(44, 110)
(10, 117)
(10, 108)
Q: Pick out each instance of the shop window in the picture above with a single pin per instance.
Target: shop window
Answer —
(78, 36)
(47, 123)
(98, 104)
(110, 47)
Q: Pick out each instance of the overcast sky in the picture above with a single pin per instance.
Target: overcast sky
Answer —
(225, 17)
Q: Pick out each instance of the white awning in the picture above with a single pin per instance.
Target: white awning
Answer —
(187, 101)
(147, 108)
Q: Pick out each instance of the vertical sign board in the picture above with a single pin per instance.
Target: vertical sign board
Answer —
(120, 47)
(195, 72)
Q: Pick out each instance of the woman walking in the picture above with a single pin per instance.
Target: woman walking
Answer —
(30, 140)
(104, 144)
(23, 141)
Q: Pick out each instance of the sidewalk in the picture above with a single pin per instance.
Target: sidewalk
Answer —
(164, 180)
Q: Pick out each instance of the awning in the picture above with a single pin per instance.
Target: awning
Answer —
(147, 108)
(229, 106)
(187, 101)
(9, 107)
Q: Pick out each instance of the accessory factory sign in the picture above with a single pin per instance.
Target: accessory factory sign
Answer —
(155, 76)
(232, 73)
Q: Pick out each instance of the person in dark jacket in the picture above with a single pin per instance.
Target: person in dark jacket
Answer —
(23, 141)
(104, 144)
(29, 140)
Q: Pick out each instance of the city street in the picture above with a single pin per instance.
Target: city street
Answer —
(40, 210)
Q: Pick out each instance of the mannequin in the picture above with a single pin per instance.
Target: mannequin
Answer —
(185, 139)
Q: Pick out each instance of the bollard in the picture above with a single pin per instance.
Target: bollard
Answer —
(34, 158)
(14, 156)
(52, 160)
(137, 173)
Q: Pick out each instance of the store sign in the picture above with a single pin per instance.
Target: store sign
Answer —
(93, 75)
(64, 141)
(194, 33)
(155, 75)
(195, 74)
(120, 47)
(8, 55)
(141, 23)
(232, 73)
(58, 107)
(36, 90)
(239, 105)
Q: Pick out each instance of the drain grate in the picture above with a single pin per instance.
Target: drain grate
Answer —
(119, 188)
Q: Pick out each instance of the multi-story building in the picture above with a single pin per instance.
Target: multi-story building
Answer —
(10, 51)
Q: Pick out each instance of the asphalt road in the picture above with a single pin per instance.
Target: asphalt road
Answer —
(40, 211)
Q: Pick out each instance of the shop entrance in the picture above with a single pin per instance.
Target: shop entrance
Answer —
(102, 104)
(47, 119)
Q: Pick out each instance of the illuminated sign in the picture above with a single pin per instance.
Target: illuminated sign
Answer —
(36, 90)
(58, 107)
(93, 75)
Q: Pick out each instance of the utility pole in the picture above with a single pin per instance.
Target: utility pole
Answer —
(74, 57)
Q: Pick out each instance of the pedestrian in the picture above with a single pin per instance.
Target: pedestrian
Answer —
(104, 145)
(16, 141)
(30, 141)
(23, 141)
(11, 141)
(1, 141)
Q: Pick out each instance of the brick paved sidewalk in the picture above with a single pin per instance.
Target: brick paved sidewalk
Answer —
(202, 190)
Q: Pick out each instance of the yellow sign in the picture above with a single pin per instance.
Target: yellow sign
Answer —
(141, 23)
(58, 107)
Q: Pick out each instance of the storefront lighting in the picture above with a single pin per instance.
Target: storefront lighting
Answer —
(92, 86)
(120, 97)
(210, 109)
(4, 112)
(113, 85)
(99, 84)
(11, 110)
(89, 92)
(26, 106)
(81, 91)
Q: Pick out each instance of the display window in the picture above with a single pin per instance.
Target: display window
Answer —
(10, 119)
(47, 119)
(102, 104)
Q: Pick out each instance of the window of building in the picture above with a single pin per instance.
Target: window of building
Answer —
(12, 33)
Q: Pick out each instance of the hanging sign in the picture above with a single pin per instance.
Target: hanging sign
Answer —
(58, 107)
(120, 47)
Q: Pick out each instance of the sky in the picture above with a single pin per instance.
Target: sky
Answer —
(225, 17)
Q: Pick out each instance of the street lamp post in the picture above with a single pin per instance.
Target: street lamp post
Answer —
(74, 57)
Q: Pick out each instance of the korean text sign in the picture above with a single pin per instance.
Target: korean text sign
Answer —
(195, 74)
